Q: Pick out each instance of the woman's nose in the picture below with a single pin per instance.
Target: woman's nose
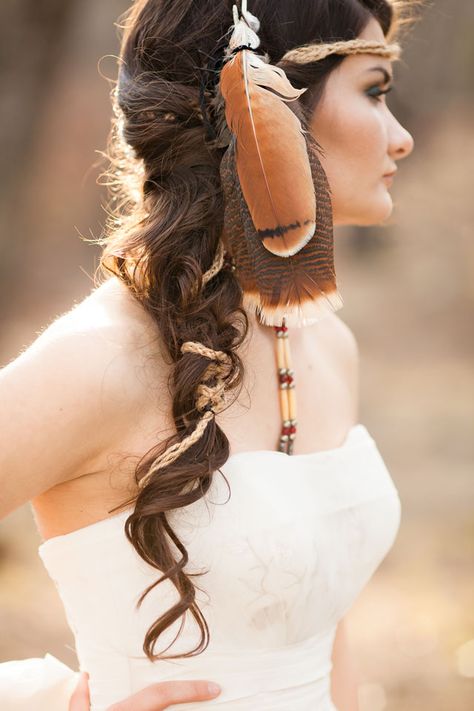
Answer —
(401, 141)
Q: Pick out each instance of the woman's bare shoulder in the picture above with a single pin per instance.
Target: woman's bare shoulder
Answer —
(115, 322)
(112, 324)
(341, 352)
(101, 397)
(71, 395)
(337, 338)
(109, 310)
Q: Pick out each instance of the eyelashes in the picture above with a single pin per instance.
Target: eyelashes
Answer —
(380, 92)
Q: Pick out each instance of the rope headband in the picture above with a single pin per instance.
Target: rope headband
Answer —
(245, 37)
(316, 52)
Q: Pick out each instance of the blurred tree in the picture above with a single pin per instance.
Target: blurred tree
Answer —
(32, 38)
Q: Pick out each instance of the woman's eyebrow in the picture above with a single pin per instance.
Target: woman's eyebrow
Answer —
(387, 76)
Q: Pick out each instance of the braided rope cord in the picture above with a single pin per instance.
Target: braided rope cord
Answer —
(210, 398)
(315, 52)
(216, 265)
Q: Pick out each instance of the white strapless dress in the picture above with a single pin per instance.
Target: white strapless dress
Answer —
(287, 554)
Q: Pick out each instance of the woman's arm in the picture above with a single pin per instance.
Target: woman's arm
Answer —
(343, 677)
(59, 409)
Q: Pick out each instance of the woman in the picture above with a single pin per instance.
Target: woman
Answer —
(168, 367)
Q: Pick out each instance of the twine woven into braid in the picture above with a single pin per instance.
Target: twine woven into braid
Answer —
(210, 398)
(216, 265)
(315, 52)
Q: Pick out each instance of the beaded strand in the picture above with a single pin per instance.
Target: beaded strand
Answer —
(287, 389)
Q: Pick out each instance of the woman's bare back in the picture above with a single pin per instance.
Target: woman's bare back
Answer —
(137, 402)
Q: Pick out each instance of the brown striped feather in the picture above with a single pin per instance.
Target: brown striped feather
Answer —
(301, 287)
(271, 155)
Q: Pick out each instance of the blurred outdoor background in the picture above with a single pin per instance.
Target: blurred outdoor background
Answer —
(408, 289)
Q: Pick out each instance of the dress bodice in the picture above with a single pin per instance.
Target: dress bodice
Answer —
(287, 547)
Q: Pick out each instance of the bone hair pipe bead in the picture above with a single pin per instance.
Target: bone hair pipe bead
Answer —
(281, 352)
(285, 410)
(292, 403)
(286, 350)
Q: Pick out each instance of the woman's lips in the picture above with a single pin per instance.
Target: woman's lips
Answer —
(388, 178)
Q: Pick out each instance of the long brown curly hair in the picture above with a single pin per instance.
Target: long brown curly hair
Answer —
(165, 222)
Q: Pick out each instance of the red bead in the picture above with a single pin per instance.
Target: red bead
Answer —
(292, 429)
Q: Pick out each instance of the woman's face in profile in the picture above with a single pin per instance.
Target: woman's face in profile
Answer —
(360, 137)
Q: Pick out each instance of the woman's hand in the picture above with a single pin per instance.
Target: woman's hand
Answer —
(156, 697)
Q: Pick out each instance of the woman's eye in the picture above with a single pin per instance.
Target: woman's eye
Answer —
(376, 92)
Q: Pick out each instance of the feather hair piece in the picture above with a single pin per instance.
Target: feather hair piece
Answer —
(272, 160)
(281, 238)
(301, 288)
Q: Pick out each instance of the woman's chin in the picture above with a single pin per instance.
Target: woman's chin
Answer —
(386, 207)
(378, 211)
